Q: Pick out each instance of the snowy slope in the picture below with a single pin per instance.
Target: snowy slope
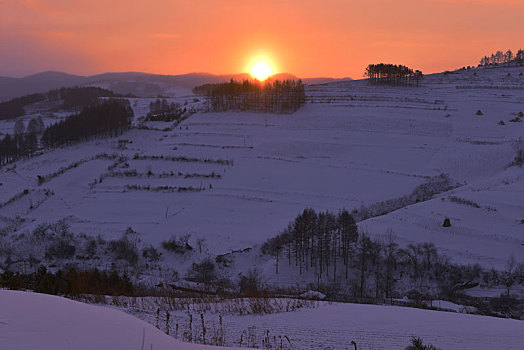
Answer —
(31, 321)
(352, 144)
(384, 328)
(37, 321)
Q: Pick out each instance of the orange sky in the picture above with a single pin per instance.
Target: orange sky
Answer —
(304, 37)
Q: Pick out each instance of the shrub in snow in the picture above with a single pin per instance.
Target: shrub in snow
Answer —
(447, 222)
(479, 112)
(518, 147)
(251, 284)
(464, 201)
(124, 249)
(151, 253)
(178, 245)
(506, 305)
(61, 249)
(90, 248)
(418, 344)
(202, 272)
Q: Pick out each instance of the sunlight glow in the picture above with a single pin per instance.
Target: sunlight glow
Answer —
(261, 70)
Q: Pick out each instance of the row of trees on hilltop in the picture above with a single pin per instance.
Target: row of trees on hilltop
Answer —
(392, 74)
(271, 96)
(503, 57)
(109, 118)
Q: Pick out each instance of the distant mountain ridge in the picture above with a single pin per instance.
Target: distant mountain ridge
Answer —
(136, 83)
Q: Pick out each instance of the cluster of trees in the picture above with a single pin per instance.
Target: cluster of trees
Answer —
(72, 98)
(161, 110)
(392, 74)
(23, 143)
(503, 57)
(108, 118)
(15, 107)
(53, 244)
(272, 96)
(17, 146)
(316, 241)
(162, 106)
(330, 247)
(69, 282)
(79, 97)
(35, 126)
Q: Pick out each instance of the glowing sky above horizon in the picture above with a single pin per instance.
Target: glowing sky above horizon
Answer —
(307, 38)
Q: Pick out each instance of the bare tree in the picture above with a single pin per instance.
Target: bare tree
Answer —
(510, 273)
(391, 248)
(364, 251)
(19, 127)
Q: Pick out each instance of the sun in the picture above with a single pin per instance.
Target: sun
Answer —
(261, 70)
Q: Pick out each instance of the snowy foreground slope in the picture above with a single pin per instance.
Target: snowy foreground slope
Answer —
(31, 321)
(352, 144)
(36, 321)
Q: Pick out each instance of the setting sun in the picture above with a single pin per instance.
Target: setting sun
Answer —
(261, 70)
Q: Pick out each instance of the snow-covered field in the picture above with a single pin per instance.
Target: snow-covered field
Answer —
(233, 180)
(379, 328)
(38, 321)
(352, 144)
(30, 321)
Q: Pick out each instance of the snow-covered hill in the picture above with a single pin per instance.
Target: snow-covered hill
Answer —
(36, 321)
(31, 321)
(136, 83)
(352, 144)
(230, 181)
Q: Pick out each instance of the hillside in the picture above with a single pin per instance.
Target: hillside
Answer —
(45, 322)
(220, 184)
(161, 199)
(38, 321)
(357, 144)
(134, 83)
